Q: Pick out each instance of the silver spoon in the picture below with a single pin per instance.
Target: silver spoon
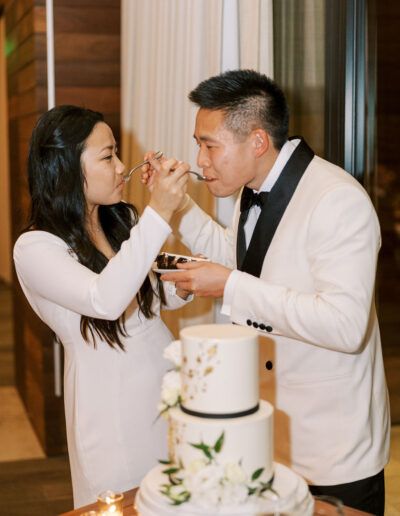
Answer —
(157, 155)
(199, 176)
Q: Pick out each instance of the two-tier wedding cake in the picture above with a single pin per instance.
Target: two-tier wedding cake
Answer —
(220, 435)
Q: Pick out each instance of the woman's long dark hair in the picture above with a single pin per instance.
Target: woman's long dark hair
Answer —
(56, 184)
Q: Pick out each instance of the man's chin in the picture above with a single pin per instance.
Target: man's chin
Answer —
(218, 190)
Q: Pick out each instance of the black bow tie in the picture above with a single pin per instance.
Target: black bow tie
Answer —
(249, 198)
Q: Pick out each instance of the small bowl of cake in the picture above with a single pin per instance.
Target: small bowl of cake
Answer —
(167, 262)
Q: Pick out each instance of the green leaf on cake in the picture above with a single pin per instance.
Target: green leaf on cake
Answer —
(257, 474)
(218, 445)
(177, 492)
(185, 498)
(204, 448)
(171, 471)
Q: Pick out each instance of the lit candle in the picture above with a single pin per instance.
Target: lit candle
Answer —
(110, 503)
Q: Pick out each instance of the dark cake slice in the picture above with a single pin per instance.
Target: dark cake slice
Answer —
(169, 261)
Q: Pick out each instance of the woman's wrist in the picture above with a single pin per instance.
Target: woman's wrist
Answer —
(165, 213)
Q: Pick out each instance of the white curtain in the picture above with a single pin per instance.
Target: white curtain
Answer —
(168, 47)
(247, 42)
(300, 66)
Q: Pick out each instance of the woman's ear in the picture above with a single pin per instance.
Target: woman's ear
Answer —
(260, 142)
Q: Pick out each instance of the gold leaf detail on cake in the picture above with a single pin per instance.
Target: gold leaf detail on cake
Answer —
(212, 351)
(208, 370)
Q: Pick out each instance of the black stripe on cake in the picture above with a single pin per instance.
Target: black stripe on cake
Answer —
(220, 416)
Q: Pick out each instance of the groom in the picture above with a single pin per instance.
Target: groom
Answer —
(298, 264)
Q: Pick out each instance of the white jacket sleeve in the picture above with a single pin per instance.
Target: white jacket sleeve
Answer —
(46, 267)
(342, 253)
(202, 234)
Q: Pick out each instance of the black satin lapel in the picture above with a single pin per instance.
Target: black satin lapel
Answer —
(241, 240)
(272, 212)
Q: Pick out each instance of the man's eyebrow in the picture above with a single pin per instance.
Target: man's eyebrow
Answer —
(204, 139)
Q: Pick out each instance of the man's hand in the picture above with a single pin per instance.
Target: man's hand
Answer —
(204, 279)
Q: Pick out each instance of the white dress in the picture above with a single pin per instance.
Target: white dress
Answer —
(110, 395)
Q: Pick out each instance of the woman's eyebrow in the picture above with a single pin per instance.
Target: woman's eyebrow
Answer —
(109, 147)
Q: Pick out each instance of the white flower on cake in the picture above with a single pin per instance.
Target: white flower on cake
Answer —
(234, 473)
(209, 484)
(173, 352)
(171, 387)
(178, 493)
(204, 485)
(195, 466)
(234, 494)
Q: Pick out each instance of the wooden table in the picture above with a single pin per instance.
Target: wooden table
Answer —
(321, 509)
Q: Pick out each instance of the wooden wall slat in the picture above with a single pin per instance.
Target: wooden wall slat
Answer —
(32, 101)
(39, 19)
(87, 47)
(22, 30)
(85, 3)
(92, 98)
(12, 84)
(17, 9)
(91, 73)
(87, 20)
(34, 47)
(25, 126)
(34, 74)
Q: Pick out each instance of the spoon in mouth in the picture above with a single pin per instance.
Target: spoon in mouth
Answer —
(198, 176)
(157, 155)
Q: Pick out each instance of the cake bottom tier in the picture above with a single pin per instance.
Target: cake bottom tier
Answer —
(248, 440)
(293, 498)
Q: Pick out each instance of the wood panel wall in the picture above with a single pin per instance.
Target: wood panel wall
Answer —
(388, 123)
(87, 71)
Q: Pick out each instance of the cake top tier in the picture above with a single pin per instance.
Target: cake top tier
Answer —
(219, 370)
(218, 331)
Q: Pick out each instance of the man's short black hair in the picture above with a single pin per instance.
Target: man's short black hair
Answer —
(249, 99)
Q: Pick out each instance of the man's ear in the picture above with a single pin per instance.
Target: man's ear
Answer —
(260, 140)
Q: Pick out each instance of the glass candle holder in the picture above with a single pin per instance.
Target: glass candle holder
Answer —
(110, 503)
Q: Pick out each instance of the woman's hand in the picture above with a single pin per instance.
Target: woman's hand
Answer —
(167, 188)
(149, 171)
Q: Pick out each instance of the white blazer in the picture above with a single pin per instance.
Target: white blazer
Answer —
(321, 359)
